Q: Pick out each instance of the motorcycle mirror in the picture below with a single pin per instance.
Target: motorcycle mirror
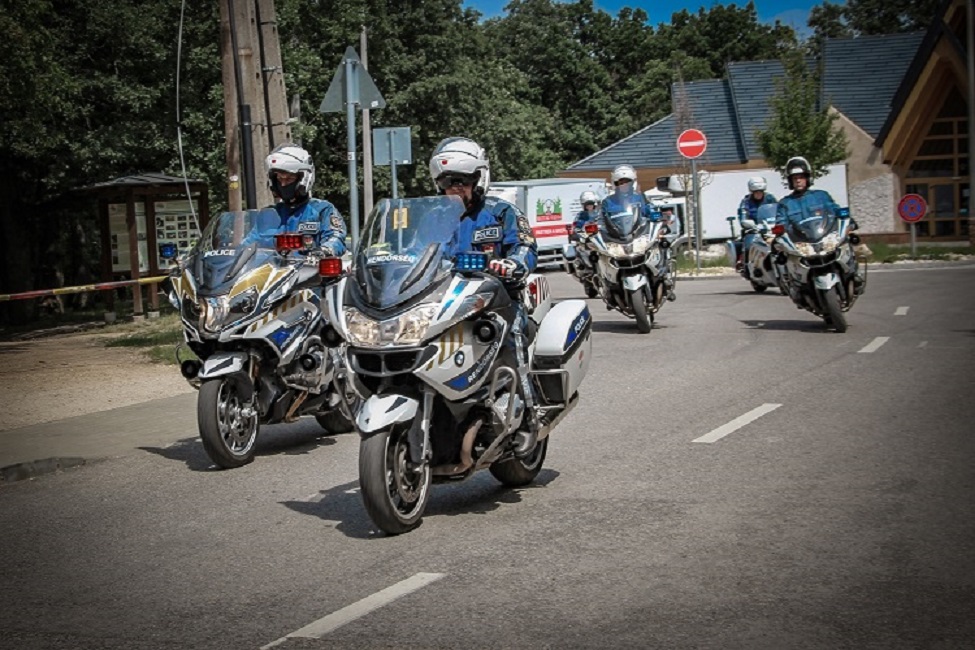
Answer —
(330, 267)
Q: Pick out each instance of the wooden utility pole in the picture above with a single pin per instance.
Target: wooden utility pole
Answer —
(263, 90)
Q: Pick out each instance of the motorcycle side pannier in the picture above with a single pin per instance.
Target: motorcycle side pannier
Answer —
(563, 348)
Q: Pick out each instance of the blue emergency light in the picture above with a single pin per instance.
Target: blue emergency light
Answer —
(843, 213)
(167, 251)
(470, 262)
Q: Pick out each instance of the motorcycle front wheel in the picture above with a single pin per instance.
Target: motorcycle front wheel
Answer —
(759, 288)
(638, 299)
(228, 434)
(518, 472)
(835, 317)
(395, 493)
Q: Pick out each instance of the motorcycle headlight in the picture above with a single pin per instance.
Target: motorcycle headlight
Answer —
(616, 250)
(244, 302)
(654, 258)
(805, 249)
(641, 245)
(215, 311)
(830, 242)
(406, 329)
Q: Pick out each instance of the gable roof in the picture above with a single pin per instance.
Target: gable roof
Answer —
(860, 77)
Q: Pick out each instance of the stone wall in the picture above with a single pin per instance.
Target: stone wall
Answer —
(870, 204)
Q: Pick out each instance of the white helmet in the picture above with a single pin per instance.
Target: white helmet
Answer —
(295, 160)
(623, 172)
(588, 197)
(463, 157)
(757, 184)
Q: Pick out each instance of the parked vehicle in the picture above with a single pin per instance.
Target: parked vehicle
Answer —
(634, 270)
(760, 269)
(250, 308)
(821, 268)
(449, 371)
(550, 204)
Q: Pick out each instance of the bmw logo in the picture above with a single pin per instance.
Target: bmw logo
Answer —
(459, 359)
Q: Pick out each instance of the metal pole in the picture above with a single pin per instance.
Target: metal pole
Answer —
(913, 240)
(971, 116)
(366, 139)
(264, 75)
(392, 161)
(245, 117)
(697, 212)
(352, 99)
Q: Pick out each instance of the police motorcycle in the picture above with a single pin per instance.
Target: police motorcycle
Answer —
(250, 305)
(820, 264)
(580, 260)
(761, 270)
(634, 270)
(430, 339)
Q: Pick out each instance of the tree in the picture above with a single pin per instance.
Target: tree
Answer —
(869, 17)
(799, 125)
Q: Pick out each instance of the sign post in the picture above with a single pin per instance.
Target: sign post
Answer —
(692, 144)
(351, 86)
(392, 146)
(912, 208)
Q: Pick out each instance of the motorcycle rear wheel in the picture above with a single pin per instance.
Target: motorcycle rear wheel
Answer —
(394, 495)
(591, 291)
(644, 322)
(228, 437)
(518, 472)
(835, 317)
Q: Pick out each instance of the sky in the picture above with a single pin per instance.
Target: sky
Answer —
(788, 12)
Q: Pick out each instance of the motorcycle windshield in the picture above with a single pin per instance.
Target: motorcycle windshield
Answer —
(405, 248)
(624, 219)
(232, 244)
(812, 229)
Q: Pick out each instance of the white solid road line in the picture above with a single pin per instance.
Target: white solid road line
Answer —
(737, 423)
(335, 620)
(874, 345)
(901, 311)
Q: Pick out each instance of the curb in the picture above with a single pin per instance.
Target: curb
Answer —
(34, 468)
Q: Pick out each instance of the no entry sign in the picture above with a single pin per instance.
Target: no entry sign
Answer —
(912, 207)
(691, 143)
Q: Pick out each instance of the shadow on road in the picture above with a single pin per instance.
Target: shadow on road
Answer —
(621, 327)
(809, 327)
(479, 495)
(288, 439)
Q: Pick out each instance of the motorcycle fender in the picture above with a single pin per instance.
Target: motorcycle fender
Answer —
(379, 412)
(634, 282)
(731, 252)
(825, 281)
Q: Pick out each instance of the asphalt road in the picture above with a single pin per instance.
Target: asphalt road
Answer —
(737, 478)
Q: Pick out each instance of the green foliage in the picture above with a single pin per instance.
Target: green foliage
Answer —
(866, 17)
(799, 126)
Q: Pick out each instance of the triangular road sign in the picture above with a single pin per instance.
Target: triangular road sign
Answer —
(364, 91)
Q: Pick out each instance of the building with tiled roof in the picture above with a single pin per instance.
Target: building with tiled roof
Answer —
(902, 101)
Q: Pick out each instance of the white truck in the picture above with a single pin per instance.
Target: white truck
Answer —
(722, 192)
(550, 205)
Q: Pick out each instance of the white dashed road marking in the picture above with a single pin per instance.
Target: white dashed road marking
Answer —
(737, 423)
(901, 311)
(874, 345)
(923, 344)
(335, 620)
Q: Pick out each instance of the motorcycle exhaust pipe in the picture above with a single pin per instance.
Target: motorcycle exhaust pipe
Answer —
(190, 368)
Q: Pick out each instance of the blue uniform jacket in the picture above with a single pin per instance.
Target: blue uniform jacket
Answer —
(496, 227)
(617, 202)
(315, 216)
(811, 204)
(582, 219)
(751, 206)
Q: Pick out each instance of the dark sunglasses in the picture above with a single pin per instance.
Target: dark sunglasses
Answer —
(446, 182)
(622, 181)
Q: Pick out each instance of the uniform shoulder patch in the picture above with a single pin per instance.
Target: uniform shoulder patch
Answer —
(525, 235)
(336, 221)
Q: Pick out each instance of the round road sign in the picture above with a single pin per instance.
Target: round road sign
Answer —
(912, 207)
(691, 143)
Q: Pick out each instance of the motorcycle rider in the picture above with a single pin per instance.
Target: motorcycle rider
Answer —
(460, 167)
(291, 175)
(588, 214)
(625, 193)
(748, 209)
(804, 204)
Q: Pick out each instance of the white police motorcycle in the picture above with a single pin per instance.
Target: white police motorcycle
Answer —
(821, 267)
(761, 270)
(634, 271)
(450, 373)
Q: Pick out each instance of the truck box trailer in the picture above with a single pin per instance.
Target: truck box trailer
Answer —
(550, 205)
